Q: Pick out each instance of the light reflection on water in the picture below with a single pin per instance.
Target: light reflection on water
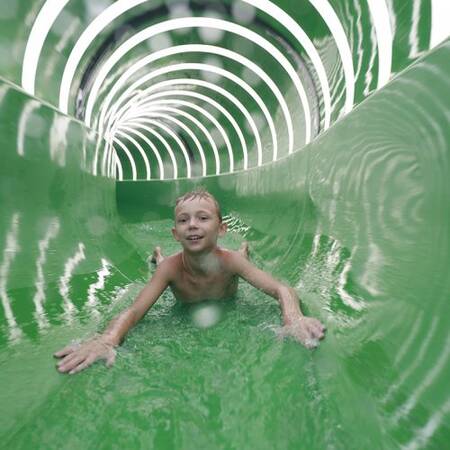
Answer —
(197, 375)
(39, 296)
(10, 249)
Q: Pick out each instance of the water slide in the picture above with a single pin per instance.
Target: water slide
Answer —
(322, 128)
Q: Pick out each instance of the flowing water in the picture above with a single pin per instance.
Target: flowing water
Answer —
(357, 221)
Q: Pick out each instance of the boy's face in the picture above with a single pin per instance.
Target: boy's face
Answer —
(197, 225)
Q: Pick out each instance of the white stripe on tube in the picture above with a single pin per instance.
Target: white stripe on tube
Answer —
(198, 48)
(44, 21)
(162, 140)
(149, 100)
(440, 18)
(179, 142)
(190, 117)
(198, 22)
(122, 133)
(138, 112)
(129, 156)
(297, 32)
(335, 26)
(204, 67)
(226, 94)
(188, 131)
(88, 36)
(118, 166)
(150, 144)
(383, 31)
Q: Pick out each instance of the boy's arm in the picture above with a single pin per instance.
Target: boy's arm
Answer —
(305, 329)
(77, 357)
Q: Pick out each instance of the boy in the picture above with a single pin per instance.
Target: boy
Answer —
(201, 271)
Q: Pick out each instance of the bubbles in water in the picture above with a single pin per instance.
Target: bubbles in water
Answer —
(206, 316)
(243, 12)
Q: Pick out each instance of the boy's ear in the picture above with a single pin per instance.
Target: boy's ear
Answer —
(223, 227)
(175, 234)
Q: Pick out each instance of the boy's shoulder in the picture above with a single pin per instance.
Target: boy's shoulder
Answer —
(230, 258)
(170, 265)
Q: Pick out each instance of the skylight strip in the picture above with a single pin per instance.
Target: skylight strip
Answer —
(154, 107)
(41, 27)
(140, 150)
(225, 93)
(190, 117)
(381, 20)
(91, 32)
(148, 100)
(200, 67)
(150, 144)
(129, 156)
(161, 139)
(191, 135)
(204, 49)
(440, 17)
(302, 38)
(196, 22)
(328, 14)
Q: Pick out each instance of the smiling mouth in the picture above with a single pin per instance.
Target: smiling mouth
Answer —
(194, 238)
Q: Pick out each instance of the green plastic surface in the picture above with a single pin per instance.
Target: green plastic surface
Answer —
(358, 222)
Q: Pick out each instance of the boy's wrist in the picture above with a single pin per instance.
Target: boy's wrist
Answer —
(292, 318)
(108, 339)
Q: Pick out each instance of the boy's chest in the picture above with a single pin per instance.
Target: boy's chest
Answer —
(215, 286)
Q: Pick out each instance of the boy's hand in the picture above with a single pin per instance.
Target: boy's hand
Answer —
(307, 330)
(77, 357)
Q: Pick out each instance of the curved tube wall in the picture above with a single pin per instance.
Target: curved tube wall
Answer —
(331, 159)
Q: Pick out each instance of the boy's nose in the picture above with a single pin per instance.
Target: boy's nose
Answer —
(192, 223)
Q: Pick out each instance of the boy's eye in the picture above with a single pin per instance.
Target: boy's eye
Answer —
(181, 220)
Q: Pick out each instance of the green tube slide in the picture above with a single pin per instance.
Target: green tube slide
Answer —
(322, 128)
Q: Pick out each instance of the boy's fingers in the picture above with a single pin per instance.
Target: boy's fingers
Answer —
(64, 351)
(72, 364)
(317, 329)
(67, 362)
(86, 363)
(318, 332)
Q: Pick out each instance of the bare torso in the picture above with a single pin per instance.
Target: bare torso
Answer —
(215, 282)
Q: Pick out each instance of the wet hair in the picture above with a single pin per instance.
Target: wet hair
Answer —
(200, 193)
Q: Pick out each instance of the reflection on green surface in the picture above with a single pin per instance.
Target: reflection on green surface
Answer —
(358, 222)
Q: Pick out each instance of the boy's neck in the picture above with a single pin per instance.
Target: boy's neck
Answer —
(200, 264)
